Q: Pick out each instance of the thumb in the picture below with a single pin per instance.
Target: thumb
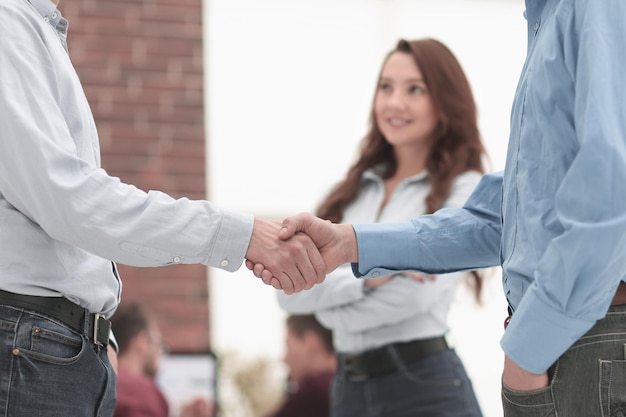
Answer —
(292, 225)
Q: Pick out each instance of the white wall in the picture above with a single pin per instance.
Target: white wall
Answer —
(289, 88)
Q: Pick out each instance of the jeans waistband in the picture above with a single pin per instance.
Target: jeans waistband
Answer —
(94, 326)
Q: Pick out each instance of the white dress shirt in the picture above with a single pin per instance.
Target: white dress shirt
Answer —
(63, 220)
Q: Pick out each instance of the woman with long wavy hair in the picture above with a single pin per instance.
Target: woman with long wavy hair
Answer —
(422, 153)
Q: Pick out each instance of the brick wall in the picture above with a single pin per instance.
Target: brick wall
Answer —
(140, 62)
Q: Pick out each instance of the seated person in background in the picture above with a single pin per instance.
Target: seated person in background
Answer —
(140, 351)
(311, 360)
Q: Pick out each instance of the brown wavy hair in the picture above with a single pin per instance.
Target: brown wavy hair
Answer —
(457, 147)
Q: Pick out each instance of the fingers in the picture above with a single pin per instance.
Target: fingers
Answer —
(257, 270)
(266, 276)
(303, 266)
(274, 282)
(294, 264)
(289, 285)
(418, 278)
(421, 278)
(250, 266)
(306, 266)
(316, 267)
(377, 282)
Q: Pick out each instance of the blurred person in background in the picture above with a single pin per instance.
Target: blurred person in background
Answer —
(423, 152)
(311, 361)
(141, 348)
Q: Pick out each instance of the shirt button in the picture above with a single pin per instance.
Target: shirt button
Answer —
(224, 263)
(375, 274)
(176, 259)
(536, 26)
(54, 15)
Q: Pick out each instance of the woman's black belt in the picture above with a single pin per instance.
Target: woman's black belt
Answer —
(72, 315)
(378, 362)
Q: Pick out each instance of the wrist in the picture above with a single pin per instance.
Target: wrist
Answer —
(517, 378)
(348, 243)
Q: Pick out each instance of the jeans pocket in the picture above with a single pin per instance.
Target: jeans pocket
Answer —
(535, 403)
(52, 343)
(613, 388)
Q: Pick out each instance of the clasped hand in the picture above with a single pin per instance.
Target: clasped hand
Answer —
(298, 253)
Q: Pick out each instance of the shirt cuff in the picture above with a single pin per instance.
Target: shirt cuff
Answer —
(384, 249)
(232, 240)
(538, 335)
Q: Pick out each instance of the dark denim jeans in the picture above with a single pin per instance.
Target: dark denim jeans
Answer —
(435, 386)
(48, 370)
(589, 380)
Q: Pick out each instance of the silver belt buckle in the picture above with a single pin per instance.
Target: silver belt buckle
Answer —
(96, 322)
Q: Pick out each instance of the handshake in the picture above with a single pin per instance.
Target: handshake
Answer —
(298, 253)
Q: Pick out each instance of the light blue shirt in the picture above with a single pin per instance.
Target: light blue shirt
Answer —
(63, 220)
(555, 220)
(400, 310)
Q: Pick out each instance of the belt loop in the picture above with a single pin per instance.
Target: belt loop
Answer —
(392, 351)
(86, 325)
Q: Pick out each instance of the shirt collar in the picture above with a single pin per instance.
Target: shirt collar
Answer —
(533, 12)
(50, 14)
(45, 7)
(375, 174)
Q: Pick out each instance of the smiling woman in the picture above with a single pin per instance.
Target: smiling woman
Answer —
(422, 152)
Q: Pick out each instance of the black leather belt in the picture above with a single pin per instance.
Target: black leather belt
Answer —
(72, 315)
(378, 362)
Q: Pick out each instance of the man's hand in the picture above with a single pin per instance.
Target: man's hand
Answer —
(519, 379)
(296, 263)
(336, 243)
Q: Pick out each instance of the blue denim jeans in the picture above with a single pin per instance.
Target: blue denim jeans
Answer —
(435, 386)
(588, 380)
(49, 370)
